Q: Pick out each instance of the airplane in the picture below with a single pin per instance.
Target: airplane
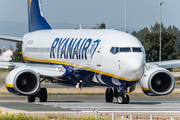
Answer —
(83, 58)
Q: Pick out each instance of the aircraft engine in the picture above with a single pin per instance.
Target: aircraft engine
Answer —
(157, 81)
(23, 81)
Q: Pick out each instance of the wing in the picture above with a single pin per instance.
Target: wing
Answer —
(53, 71)
(12, 39)
(166, 64)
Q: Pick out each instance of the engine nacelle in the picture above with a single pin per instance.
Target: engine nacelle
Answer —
(23, 81)
(157, 81)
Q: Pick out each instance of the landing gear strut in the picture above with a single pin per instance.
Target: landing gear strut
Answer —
(122, 98)
(42, 94)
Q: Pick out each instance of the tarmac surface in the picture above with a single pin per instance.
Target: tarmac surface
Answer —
(89, 104)
(16, 104)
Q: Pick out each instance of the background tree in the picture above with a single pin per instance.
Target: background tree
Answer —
(139, 35)
(151, 45)
(17, 56)
(101, 26)
(156, 27)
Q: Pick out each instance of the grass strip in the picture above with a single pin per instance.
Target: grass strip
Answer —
(22, 116)
(4, 70)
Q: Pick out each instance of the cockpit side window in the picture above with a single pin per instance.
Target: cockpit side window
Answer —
(125, 49)
(136, 49)
(116, 50)
(112, 50)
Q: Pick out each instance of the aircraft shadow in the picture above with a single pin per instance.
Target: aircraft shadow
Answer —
(64, 101)
(146, 103)
(131, 103)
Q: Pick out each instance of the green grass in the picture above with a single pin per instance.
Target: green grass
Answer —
(177, 78)
(4, 70)
(21, 116)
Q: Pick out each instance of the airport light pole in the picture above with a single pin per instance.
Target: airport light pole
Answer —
(125, 18)
(160, 32)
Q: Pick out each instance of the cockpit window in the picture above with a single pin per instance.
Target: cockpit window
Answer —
(115, 50)
(112, 50)
(125, 49)
(136, 49)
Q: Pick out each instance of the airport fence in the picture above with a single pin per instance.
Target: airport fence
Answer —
(102, 115)
(137, 115)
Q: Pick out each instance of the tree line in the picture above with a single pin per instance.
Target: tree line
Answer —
(170, 42)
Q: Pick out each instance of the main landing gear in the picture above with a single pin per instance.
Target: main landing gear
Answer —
(122, 98)
(42, 94)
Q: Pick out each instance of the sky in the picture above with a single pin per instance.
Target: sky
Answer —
(59, 13)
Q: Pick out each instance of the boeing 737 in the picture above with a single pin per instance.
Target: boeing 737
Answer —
(83, 58)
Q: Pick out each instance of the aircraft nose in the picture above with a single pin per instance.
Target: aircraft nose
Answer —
(135, 62)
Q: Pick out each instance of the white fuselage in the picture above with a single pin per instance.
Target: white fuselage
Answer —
(105, 52)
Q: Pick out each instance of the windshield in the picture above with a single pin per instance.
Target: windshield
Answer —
(125, 49)
(136, 49)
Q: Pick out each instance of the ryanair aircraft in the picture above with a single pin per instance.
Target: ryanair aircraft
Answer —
(83, 58)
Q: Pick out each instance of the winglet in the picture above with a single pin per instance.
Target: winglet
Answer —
(35, 16)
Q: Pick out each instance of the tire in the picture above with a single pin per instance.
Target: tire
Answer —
(121, 99)
(31, 98)
(127, 99)
(43, 95)
(109, 95)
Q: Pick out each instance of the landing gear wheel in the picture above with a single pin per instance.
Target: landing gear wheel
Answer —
(109, 95)
(43, 95)
(31, 98)
(127, 99)
(121, 99)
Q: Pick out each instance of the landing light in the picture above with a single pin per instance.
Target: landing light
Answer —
(58, 69)
(77, 86)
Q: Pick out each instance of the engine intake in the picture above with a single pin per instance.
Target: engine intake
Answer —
(157, 81)
(24, 81)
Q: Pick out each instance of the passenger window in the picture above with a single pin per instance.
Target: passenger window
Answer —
(125, 49)
(136, 49)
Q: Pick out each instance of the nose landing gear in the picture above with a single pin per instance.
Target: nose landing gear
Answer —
(122, 98)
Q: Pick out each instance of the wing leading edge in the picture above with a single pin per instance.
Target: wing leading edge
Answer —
(12, 39)
(53, 71)
(166, 64)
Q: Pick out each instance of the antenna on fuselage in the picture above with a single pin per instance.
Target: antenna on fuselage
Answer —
(80, 27)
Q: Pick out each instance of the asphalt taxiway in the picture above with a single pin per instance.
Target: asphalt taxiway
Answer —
(91, 103)
(86, 106)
